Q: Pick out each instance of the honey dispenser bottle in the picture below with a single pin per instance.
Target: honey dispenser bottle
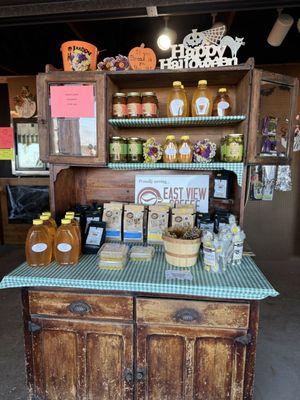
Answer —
(201, 102)
(52, 220)
(71, 216)
(49, 225)
(66, 245)
(221, 106)
(38, 246)
(177, 104)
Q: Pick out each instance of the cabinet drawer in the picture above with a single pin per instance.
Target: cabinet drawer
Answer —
(200, 313)
(73, 305)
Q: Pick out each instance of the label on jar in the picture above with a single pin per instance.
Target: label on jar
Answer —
(234, 150)
(202, 106)
(222, 106)
(170, 150)
(176, 107)
(185, 149)
(220, 189)
(118, 148)
(64, 247)
(134, 109)
(119, 110)
(135, 148)
(39, 247)
(149, 109)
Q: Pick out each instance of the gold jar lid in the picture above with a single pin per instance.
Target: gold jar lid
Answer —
(185, 137)
(235, 135)
(170, 137)
(133, 94)
(222, 90)
(202, 82)
(147, 94)
(119, 94)
(177, 84)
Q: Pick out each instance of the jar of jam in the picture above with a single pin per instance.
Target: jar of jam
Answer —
(233, 148)
(134, 106)
(149, 105)
(119, 108)
(135, 149)
(185, 150)
(118, 150)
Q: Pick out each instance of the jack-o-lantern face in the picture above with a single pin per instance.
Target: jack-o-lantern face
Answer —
(142, 58)
(194, 39)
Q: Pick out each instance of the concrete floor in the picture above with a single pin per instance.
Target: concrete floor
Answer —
(278, 355)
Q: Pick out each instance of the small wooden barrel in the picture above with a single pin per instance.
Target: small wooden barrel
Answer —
(180, 252)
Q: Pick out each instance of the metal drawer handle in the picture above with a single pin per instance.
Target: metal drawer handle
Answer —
(128, 376)
(79, 307)
(187, 315)
(140, 374)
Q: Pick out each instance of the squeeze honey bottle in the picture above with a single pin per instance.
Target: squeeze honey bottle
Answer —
(170, 150)
(71, 216)
(221, 106)
(66, 245)
(47, 224)
(201, 102)
(177, 104)
(38, 245)
(52, 220)
(185, 150)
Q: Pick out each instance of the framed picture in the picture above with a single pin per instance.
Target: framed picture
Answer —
(27, 152)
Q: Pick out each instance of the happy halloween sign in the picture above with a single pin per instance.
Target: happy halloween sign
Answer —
(178, 189)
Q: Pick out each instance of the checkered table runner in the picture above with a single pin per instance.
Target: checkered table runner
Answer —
(244, 282)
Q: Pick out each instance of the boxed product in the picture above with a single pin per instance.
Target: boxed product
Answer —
(158, 220)
(113, 256)
(112, 215)
(183, 216)
(142, 253)
(133, 226)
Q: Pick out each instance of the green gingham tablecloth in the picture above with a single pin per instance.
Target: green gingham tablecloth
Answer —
(243, 282)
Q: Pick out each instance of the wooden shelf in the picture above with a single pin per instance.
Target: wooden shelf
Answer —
(237, 168)
(176, 122)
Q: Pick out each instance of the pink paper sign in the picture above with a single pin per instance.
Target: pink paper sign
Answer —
(72, 101)
(6, 138)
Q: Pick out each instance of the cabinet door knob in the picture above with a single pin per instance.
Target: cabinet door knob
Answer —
(79, 307)
(187, 315)
(128, 375)
(140, 374)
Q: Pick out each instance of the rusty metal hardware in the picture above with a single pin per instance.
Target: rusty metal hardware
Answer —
(243, 340)
(140, 374)
(187, 315)
(32, 327)
(128, 375)
(79, 307)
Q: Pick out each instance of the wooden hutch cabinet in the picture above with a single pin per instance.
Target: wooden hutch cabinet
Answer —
(121, 345)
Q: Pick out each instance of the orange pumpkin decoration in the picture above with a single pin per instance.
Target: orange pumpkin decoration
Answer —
(142, 58)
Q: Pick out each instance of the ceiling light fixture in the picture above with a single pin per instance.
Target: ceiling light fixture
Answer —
(280, 29)
(166, 37)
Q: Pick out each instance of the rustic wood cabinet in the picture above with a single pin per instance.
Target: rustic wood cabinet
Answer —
(95, 346)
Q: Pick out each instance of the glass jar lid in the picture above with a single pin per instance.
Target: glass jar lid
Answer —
(148, 94)
(133, 94)
(119, 94)
(134, 139)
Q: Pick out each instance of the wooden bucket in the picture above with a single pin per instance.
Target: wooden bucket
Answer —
(180, 252)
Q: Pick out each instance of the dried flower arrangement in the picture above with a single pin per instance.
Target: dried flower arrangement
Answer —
(185, 233)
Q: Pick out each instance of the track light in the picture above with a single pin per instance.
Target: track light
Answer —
(166, 37)
(280, 29)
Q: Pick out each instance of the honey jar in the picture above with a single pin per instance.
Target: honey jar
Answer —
(134, 106)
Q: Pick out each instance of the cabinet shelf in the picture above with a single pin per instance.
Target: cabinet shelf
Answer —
(176, 122)
(237, 168)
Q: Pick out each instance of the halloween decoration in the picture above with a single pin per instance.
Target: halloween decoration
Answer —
(142, 58)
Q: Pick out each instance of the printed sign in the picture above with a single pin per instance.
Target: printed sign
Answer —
(72, 101)
(179, 189)
(6, 138)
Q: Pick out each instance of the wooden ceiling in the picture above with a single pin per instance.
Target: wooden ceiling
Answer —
(32, 32)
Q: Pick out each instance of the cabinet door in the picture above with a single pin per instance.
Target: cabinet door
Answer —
(81, 360)
(272, 119)
(72, 118)
(189, 364)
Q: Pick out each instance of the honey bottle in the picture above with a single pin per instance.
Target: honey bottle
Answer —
(170, 150)
(177, 104)
(47, 224)
(221, 106)
(201, 102)
(75, 223)
(66, 245)
(185, 150)
(38, 246)
(52, 220)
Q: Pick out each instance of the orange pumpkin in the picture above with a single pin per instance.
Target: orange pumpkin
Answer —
(142, 58)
